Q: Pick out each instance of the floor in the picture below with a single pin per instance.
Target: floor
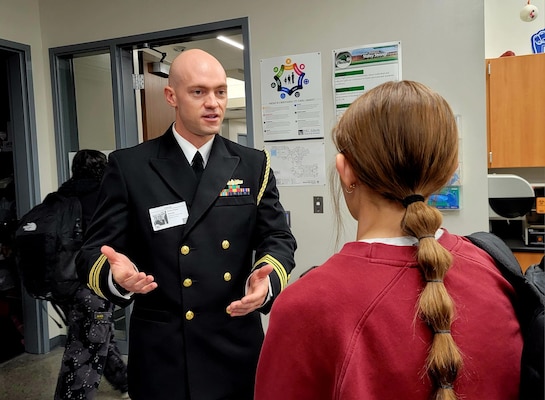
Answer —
(33, 377)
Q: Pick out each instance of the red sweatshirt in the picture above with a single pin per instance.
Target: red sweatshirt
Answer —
(347, 329)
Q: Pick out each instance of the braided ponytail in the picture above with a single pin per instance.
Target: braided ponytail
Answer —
(435, 306)
(401, 141)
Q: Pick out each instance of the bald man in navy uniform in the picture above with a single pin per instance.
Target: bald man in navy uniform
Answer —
(198, 257)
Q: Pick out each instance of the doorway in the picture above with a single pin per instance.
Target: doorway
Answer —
(23, 319)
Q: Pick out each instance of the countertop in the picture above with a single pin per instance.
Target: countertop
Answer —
(518, 245)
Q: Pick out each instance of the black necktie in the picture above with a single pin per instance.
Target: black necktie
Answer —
(197, 165)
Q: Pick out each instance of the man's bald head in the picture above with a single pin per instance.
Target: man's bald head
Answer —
(191, 61)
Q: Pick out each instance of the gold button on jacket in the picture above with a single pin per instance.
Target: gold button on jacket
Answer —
(187, 282)
(189, 315)
(184, 250)
(227, 276)
(225, 244)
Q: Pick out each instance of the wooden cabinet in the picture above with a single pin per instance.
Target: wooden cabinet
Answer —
(526, 259)
(516, 111)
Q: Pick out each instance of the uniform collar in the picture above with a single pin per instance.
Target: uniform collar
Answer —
(190, 150)
(400, 241)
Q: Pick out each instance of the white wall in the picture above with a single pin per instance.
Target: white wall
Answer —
(20, 23)
(443, 47)
(504, 30)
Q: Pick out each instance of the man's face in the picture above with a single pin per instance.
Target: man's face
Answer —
(200, 98)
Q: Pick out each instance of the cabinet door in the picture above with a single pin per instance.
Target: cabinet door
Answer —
(526, 259)
(516, 111)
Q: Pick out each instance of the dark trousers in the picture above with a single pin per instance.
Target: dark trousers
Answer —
(90, 349)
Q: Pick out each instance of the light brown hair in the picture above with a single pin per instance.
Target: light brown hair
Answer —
(401, 140)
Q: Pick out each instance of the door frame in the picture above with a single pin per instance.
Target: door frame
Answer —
(26, 172)
(124, 98)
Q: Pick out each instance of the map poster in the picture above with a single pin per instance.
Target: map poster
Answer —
(291, 97)
(358, 69)
(298, 162)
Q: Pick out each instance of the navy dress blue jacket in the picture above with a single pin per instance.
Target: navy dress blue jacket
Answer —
(182, 343)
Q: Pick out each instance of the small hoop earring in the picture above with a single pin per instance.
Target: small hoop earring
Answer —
(352, 187)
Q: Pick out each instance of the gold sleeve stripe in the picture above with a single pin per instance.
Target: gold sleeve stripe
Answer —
(277, 266)
(94, 275)
(266, 177)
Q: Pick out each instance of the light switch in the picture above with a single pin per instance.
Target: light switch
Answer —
(318, 204)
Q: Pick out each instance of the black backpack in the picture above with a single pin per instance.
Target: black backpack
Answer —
(530, 311)
(47, 239)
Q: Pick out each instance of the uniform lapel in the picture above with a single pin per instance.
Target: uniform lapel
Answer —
(173, 168)
(219, 169)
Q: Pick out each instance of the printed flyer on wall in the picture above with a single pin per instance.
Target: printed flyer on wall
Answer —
(298, 162)
(358, 69)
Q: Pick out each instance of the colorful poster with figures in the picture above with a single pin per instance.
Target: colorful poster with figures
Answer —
(358, 69)
(291, 97)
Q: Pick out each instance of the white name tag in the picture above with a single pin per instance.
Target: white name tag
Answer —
(164, 217)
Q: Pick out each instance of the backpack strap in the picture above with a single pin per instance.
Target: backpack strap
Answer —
(536, 275)
(530, 312)
(529, 295)
(61, 314)
(498, 250)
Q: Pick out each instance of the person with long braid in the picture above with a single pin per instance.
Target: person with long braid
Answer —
(408, 310)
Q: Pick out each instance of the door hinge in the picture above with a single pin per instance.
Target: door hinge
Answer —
(138, 81)
(490, 157)
(489, 68)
